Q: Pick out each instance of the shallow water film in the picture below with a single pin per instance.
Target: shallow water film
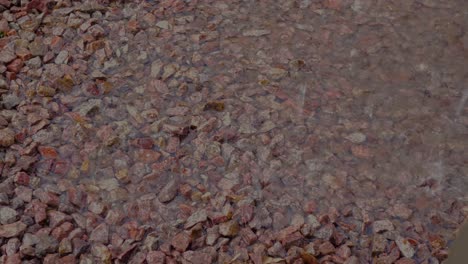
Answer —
(232, 131)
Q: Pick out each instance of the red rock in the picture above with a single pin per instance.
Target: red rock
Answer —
(100, 234)
(76, 197)
(91, 88)
(48, 152)
(248, 236)
(56, 43)
(36, 209)
(22, 178)
(13, 259)
(310, 207)
(23, 53)
(169, 192)
(147, 155)
(181, 241)
(12, 230)
(51, 259)
(361, 151)
(40, 5)
(62, 231)
(56, 218)
(333, 4)
(133, 25)
(291, 238)
(47, 197)
(185, 190)
(173, 144)
(246, 213)
(10, 75)
(138, 258)
(197, 257)
(69, 259)
(145, 143)
(15, 66)
(5, 3)
(133, 230)
(344, 252)
(61, 167)
(405, 261)
(156, 257)
(326, 248)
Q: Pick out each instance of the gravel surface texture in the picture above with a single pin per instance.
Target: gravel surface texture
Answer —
(232, 131)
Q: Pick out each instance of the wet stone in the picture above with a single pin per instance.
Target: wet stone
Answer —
(169, 192)
(405, 247)
(181, 241)
(197, 217)
(100, 234)
(7, 137)
(12, 230)
(7, 215)
(229, 229)
(382, 225)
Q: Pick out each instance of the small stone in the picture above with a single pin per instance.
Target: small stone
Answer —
(344, 252)
(405, 247)
(102, 253)
(277, 250)
(56, 218)
(197, 217)
(256, 32)
(352, 260)
(197, 257)
(65, 247)
(155, 257)
(45, 91)
(62, 57)
(379, 243)
(34, 63)
(156, 67)
(181, 241)
(382, 225)
(15, 66)
(169, 70)
(37, 47)
(163, 24)
(12, 230)
(217, 106)
(6, 56)
(212, 234)
(169, 192)
(48, 152)
(401, 210)
(407, 261)
(100, 234)
(248, 236)
(326, 248)
(10, 101)
(356, 137)
(229, 229)
(7, 137)
(7, 215)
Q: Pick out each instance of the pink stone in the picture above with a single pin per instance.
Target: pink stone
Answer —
(156, 257)
(22, 178)
(15, 66)
(181, 241)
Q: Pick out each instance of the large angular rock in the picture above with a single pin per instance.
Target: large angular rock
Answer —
(100, 234)
(12, 230)
(7, 215)
(7, 137)
(169, 192)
